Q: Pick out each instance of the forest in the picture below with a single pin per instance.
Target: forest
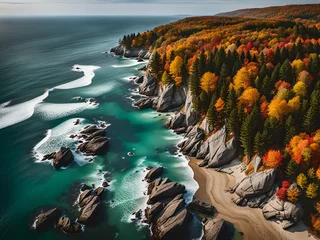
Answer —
(260, 78)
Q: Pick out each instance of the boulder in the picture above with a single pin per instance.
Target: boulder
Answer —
(67, 226)
(180, 130)
(118, 50)
(48, 156)
(89, 129)
(202, 207)
(99, 191)
(177, 120)
(62, 158)
(139, 79)
(98, 133)
(48, 219)
(287, 212)
(173, 227)
(256, 163)
(170, 97)
(149, 85)
(166, 190)
(193, 152)
(205, 126)
(97, 145)
(213, 228)
(90, 211)
(210, 147)
(191, 115)
(154, 173)
(144, 103)
(255, 184)
(194, 136)
(225, 154)
(142, 53)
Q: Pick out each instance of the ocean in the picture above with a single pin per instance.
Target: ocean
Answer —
(45, 64)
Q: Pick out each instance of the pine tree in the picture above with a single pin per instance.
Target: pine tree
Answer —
(263, 71)
(231, 101)
(212, 114)
(290, 129)
(233, 123)
(291, 169)
(311, 119)
(204, 102)
(236, 68)
(267, 87)
(248, 131)
(276, 57)
(194, 79)
(155, 66)
(259, 144)
(172, 56)
(219, 60)
(202, 63)
(286, 73)
(284, 54)
(166, 79)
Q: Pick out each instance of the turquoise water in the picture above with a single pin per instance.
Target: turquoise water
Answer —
(37, 114)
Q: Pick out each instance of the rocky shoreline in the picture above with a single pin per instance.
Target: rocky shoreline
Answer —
(215, 149)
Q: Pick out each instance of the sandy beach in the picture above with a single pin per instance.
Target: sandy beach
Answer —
(250, 221)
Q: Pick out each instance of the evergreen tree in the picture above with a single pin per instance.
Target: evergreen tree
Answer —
(266, 87)
(231, 101)
(236, 68)
(286, 72)
(291, 169)
(233, 123)
(290, 129)
(242, 57)
(194, 80)
(202, 63)
(259, 144)
(276, 57)
(219, 60)
(311, 120)
(210, 65)
(155, 66)
(284, 54)
(204, 102)
(212, 114)
(263, 71)
(166, 79)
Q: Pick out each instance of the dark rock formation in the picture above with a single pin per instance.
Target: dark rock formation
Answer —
(98, 133)
(139, 79)
(167, 190)
(47, 220)
(62, 158)
(202, 207)
(67, 226)
(97, 145)
(89, 129)
(154, 173)
(213, 228)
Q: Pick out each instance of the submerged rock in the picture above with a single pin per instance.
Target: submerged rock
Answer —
(67, 226)
(62, 158)
(47, 220)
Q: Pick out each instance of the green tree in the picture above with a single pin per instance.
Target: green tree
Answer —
(166, 79)
(311, 120)
(155, 66)
(194, 80)
(290, 129)
(286, 72)
(233, 123)
(212, 114)
(291, 169)
(231, 101)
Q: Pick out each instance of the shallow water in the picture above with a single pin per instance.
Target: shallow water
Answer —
(38, 78)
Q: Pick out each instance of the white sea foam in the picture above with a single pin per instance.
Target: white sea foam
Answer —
(10, 115)
(57, 137)
(51, 111)
(97, 90)
(129, 78)
(86, 80)
(131, 63)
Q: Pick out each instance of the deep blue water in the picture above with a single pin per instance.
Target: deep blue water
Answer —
(37, 55)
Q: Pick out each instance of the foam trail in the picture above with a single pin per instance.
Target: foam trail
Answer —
(57, 137)
(51, 111)
(10, 115)
(86, 80)
(133, 63)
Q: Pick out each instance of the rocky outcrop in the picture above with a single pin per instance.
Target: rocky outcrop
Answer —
(210, 147)
(256, 163)
(205, 126)
(167, 214)
(202, 207)
(225, 154)
(97, 145)
(287, 212)
(90, 203)
(254, 187)
(145, 102)
(154, 173)
(132, 52)
(170, 97)
(213, 229)
(149, 85)
(45, 221)
(194, 136)
(191, 116)
(177, 121)
(62, 158)
(67, 226)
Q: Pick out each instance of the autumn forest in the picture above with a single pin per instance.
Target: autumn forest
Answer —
(260, 78)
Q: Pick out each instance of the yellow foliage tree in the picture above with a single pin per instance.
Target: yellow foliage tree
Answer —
(241, 79)
(208, 82)
(219, 105)
(294, 104)
(178, 80)
(300, 89)
(278, 108)
(298, 66)
(302, 180)
(312, 190)
(293, 195)
(318, 173)
(175, 69)
(249, 97)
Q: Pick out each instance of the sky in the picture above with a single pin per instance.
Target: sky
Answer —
(133, 7)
